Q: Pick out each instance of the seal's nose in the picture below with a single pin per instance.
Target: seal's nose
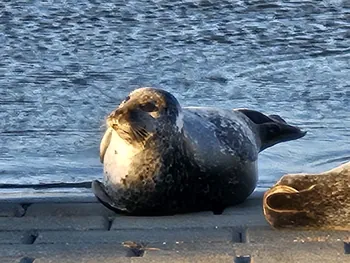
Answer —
(115, 117)
(116, 113)
(120, 115)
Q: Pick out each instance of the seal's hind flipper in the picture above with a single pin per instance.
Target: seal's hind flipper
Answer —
(273, 129)
(277, 118)
(272, 133)
(260, 118)
(256, 116)
(100, 192)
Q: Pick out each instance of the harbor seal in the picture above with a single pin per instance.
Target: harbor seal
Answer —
(160, 158)
(310, 201)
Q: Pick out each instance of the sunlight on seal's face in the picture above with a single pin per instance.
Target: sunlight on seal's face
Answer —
(145, 112)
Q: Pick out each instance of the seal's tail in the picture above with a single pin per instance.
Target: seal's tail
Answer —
(273, 129)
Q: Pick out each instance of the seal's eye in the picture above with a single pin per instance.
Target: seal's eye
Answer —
(148, 107)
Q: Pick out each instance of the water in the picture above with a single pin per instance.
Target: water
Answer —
(64, 65)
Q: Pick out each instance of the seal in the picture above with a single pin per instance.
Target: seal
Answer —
(310, 201)
(160, 158)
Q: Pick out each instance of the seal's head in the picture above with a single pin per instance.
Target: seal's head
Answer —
(145, 112)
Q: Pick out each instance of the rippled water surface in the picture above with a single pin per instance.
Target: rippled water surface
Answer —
(64, 65)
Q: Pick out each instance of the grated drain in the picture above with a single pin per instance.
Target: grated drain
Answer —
(110, 223)
(29, 237)
(27, 260)
(347, 248)
(242, 237)
(25, 208)
(242, 259)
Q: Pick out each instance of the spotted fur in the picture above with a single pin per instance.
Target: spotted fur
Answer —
(160, 158)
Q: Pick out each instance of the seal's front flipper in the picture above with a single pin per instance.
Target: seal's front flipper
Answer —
(310, 201)
(217, 207)
(100, 192)
(106, 140)
(218, 210)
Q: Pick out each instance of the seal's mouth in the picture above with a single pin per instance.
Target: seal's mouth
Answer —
(132, 134)
(130, 131)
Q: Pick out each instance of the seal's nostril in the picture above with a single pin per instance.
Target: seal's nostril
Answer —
(116, 113)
